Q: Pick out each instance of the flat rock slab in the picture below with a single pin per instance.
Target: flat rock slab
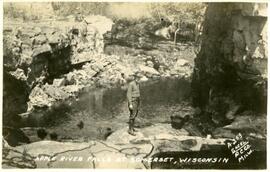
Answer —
(120, 150)
(51, 147)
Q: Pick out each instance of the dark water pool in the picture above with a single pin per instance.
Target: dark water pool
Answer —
(97, 111)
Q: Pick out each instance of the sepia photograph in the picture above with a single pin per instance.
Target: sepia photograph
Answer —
(134, 85)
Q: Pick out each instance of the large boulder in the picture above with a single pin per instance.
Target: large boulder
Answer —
(41, 49)
(40, 39)
(38, 98)
(59, 82)
(148, 71)
(248, 123)
(19, 74)
(15, 137)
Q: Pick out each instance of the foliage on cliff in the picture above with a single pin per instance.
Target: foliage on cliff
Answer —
(156, 11)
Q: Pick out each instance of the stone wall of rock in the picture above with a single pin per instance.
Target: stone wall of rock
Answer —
(30, 58)
(38, 53)
(51, 48)
(230, 74)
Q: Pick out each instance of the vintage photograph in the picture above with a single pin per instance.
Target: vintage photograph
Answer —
(134, 85)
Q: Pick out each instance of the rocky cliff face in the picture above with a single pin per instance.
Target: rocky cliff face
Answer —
(230, 74)
(57, 59)
(37, 53)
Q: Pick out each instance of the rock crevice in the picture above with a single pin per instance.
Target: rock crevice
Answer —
(230, 74)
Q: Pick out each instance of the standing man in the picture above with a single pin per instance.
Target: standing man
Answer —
(133, 96)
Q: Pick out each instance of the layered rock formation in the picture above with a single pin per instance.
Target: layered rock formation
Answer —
(230, 74)
(37, 53)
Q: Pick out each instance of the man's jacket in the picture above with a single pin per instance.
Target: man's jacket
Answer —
(133, 91)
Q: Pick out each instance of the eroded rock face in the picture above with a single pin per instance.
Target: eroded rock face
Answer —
(35, 55)
(230, 74)
(29, 59)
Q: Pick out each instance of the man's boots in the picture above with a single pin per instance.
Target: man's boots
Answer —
(131, 127)
(134, 129)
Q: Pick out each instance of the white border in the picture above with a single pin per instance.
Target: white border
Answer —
(116, 170)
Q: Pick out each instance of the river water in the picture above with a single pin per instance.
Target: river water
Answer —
(96, 112)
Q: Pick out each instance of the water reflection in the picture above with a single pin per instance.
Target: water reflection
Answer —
(100, 109)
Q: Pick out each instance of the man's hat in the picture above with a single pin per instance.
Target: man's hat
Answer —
(137, 74)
